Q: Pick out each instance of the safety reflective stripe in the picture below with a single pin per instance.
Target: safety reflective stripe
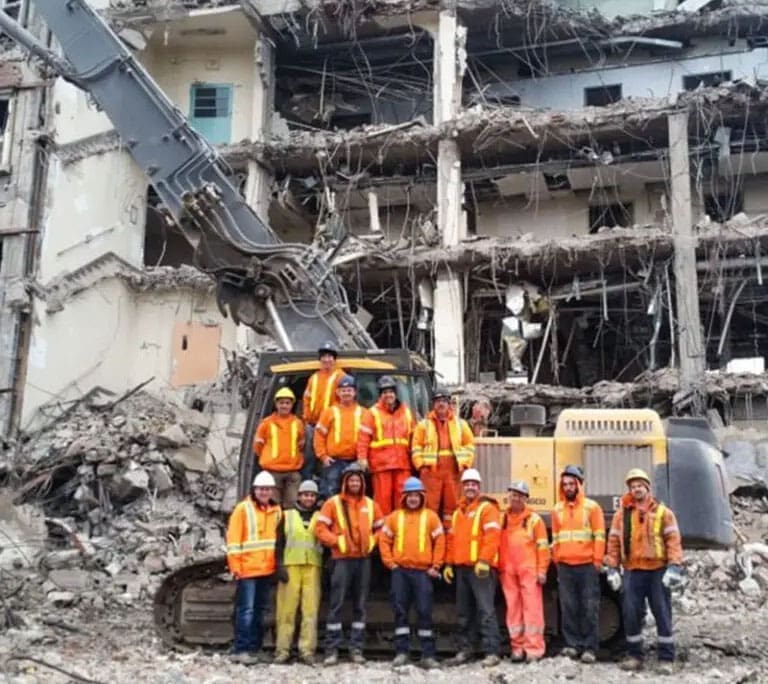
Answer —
(634, 638)
(430, 452)
(572, 535)
(301, 547)
(424, 632)
(658, 540)
(328, 389)
(665, 639)
(252, 541)
(337, 422)
(514, 629)
(378, 436)
(473, 546)
(358, 625)
(400, 631)
(274, 435)
(342, 542)
(333, 626)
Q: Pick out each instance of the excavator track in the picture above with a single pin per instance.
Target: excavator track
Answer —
(194, 608)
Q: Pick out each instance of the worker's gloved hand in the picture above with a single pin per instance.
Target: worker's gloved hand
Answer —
(613, 577)
(541, 579)
(673, 577)
(328, 461)
(482, 569)
(363, 463)
(434, 573)
(448, 574)
(282, 575)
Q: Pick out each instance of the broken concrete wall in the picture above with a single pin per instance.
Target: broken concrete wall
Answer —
(114, 337)
(614, 8)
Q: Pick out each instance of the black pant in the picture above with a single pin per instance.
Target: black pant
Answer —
(579, 593)
(407, 588)
(348, 576)
(476, 611)
(640, 585)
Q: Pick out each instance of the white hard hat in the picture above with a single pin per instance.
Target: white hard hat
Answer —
(264, 479)
(309, 486)
(472, 475)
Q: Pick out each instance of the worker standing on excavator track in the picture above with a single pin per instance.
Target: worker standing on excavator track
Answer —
(348, 524)
(278, 445)
(299, 565)
(443, 447)
(319, 394)
(471, 560)
(336, 435)
(523, 564)
(412, 544)
(578, 546)
(644, 538)
(384, 445)
(251, 558)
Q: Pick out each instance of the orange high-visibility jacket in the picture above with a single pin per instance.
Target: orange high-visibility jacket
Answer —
(578, 531)
(279, 443)
(425, 446)
(475, 533)
(348, 524)
(338, 430)
(412, 539)
(385, 438)
(251, 539)
(320, 393)
(644, 540)
(524, 542)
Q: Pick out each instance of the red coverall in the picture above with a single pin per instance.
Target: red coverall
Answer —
(523, 558)
(384, 441)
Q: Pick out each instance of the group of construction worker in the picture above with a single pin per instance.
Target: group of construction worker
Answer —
(437, 526)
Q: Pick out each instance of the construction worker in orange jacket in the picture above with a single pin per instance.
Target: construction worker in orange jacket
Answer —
(251, 557)
(578, 547)
(348, 524)
(412, 544)
(523, 564)
(384, 445)
(644, 538)
(336, 435)
(319, 394)
(442, 447)
(471, 560)
(279, 444)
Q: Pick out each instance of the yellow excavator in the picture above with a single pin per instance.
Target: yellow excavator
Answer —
(290, 291)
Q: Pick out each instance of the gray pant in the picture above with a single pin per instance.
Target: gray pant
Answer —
(348, 576)
(579, 593)
(476, 610)
(286, 487)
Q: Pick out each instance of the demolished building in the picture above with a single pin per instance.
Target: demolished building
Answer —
(551, 201)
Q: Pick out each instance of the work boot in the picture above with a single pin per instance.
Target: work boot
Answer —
(244, 658)
(517, 657)
(307, 658)
(281, 658)
(631, 664)
(569, 652)
(459, 659)
(588, 657)
(401, 659)
(532, 658)
(490, 660)
(664, 667)
(430, 664)
(331, 658)
(357, 657)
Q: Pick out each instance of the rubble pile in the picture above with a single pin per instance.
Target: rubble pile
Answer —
(112, 497)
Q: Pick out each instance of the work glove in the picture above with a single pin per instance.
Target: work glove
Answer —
(282, 575)
(363, 463)
(434, 573)
(541, 579)
(613, 577)
(448, 574)
(482, 569)
(673, 577)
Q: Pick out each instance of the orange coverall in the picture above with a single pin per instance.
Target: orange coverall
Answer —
(440, 450)
(523, 558)
(384, 441)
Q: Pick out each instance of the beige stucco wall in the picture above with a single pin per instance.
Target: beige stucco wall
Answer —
(113, 337)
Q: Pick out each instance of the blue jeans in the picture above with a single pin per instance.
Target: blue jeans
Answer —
(250, 603)
(579, 593)
(475, 610)
(412, 588)
(330, 481)
(639, 586)
(310, 460)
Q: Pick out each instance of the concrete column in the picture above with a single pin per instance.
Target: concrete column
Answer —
(689, 338)
(450, 62)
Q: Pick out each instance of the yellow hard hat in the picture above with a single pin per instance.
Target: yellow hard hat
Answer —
(285, 393)
(637, 474)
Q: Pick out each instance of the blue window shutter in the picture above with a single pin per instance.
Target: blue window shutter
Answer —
(210, 111)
